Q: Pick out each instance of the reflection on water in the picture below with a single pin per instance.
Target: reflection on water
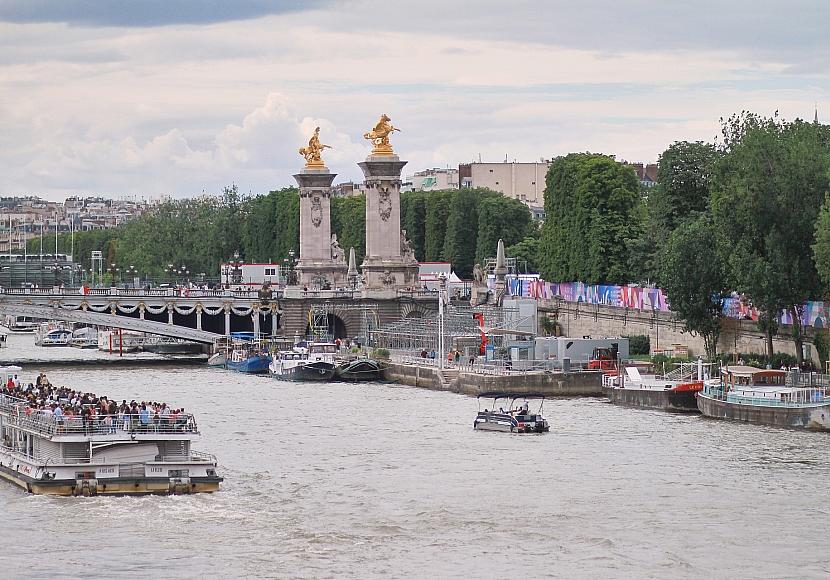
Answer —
(370, 481)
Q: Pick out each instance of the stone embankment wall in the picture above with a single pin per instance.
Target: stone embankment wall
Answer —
(586, 383)
(663, 328)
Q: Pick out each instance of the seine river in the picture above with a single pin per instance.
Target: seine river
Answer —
(385, 481)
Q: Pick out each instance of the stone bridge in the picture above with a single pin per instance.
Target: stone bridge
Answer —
(205, 315)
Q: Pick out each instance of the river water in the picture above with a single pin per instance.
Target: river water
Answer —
(385, 481)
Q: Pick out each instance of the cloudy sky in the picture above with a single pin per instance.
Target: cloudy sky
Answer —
(177, 97)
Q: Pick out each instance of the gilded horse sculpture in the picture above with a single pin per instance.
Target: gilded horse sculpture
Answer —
(379, 136)
(313, 150)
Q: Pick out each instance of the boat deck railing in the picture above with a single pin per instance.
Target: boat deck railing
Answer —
(49, 425)
(494, 367)
(797, 397)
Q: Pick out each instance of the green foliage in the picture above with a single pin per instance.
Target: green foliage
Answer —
(503, 218)
(380, 353)
(639, 344)
(413, 220)
(437, 211)
(348, 221)
(462, 231)
(694, 280)
(766, 194)
(589, 201)
(822, 344)
(821, 247)
(526, 253)
(778, 360)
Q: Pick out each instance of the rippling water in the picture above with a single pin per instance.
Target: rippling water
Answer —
(377, 481)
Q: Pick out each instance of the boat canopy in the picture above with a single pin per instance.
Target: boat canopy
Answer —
(509, 395)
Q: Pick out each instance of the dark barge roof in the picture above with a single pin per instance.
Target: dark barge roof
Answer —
(510, 395)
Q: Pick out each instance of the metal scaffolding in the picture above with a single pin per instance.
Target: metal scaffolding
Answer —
(321, 316)
(417, 334)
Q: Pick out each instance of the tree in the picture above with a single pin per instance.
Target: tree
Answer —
(348, 221)
(766, 194)
(413, 220)
(589, 201)
(526, 253)
(681, 194)
(821, 247)
(462, 231)
(693, 278)
(503, 218)
(435, 228)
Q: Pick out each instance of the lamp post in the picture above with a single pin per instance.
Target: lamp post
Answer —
(133, 273)
(236, 271)
(442, 288)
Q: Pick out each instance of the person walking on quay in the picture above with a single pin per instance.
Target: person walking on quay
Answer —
(457, 356)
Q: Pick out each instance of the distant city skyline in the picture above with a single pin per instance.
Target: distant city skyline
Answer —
(179, 98)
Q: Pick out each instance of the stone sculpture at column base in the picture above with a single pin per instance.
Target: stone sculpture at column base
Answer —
(322, 261)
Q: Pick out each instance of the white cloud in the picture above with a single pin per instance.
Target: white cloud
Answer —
(179, 109)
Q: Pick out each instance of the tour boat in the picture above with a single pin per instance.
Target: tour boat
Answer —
(103, 455)
(86, 337)
(515, 418)
(312, 361)
(55, 337)
(361, 369)
(769, 397)
(632, 389)
(22, 323)
(248, 357)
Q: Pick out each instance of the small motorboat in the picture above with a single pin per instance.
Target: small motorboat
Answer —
(511, 413)
(361, 369)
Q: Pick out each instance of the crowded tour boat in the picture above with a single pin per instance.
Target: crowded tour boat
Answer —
(307, 361)
(769, 397)
(63, 441)
(675, 391)
(513, 415)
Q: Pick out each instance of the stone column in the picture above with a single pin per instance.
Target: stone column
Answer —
(198, 317)
(389, 262)
(227, 320)
(320, 258)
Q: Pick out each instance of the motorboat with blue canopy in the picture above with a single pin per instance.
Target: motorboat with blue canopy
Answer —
(511, 413)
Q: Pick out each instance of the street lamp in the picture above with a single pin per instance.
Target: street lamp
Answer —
(236, 271)
(442, 288)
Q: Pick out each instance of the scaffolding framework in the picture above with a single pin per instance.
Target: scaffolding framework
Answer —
(320, 317)
(417, 334)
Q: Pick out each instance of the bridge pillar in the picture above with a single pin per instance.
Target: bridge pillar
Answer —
(227, 320)
(274, 324)
(322, 260)
(255, 317)
(141, 311)
(169, 314)
(389, 260)
(198, 317)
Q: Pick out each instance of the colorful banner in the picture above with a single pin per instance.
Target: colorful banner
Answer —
(642, 298)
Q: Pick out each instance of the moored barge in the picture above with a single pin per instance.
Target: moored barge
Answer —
(767, 397)
(45, 452)
(652, 392)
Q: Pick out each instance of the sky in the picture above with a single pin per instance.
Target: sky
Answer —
(183, 97)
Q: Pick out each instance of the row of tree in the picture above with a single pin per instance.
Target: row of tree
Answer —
(460, 226)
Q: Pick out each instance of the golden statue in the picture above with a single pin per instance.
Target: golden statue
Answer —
(379, 136)
(313, 151)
